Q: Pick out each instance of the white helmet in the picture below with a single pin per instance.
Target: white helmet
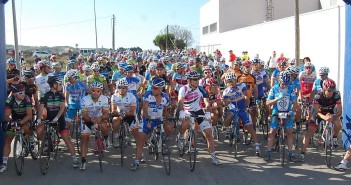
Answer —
(308, 64)
(293, 70)
(122, 82)
(72, 73)
(324, 70)
(95, 66)
(152, 66)
(55, 65)
(230, 76)
(86, 67)
(96, 85)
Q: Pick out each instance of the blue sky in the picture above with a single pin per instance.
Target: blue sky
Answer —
(71, 22)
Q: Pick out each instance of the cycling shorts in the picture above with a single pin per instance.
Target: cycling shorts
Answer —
(243, 115)
(131, 122)
(144, 126)
(204, 124)
(288, 123)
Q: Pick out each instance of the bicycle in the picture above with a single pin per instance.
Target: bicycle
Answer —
(280, 136)
(21, 148)
(158, 143)
(262, 119)
(98, 137)
(317, 139)
(234, 134)
(123, 141)
(327, 137)
(49, 145)
(75, 128)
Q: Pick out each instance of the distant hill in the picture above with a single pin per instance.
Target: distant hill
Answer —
(55, 49)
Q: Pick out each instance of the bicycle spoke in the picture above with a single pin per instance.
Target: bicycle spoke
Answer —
(18, 154)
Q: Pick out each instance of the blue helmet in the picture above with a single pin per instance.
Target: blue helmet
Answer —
(128, 68)
(158, 82)
(284, 77)
(122, 65)
(11, 61)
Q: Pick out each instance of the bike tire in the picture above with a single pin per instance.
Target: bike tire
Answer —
(296, 139)
(265, 131)
(55, 144)
(122, 143)
(328, 145)
(99, 140)
(18, 154)
(282, 147)
(235, 138)
(192, 153)
(166, 155)
(78, 138)
(33, 151)
(180, 150)
(231, 137)
(44, 158)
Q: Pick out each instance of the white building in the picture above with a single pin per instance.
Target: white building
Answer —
(263, 26)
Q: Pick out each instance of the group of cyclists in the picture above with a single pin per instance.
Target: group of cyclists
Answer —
(107, 89)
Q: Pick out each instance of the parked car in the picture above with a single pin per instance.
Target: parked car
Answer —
(41, 54)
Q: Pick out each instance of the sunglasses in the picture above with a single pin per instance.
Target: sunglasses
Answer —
(322, 75)
(248, 66)
(155, 88)
(130, 71)
(21, 93)
(284, 84)
(308, 67)
(208, 72)
(121, 87)
(96, 91)
(96, 70)
(331, 89)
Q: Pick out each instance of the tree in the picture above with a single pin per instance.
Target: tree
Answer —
(160, 41)
(179, 33)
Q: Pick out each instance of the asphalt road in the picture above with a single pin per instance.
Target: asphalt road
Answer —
(247, 169)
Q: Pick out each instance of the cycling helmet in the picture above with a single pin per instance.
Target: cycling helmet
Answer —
(256, 61)
(122, 82)
(99, 59)
(324, 70)
(308, 64)
(15, 88)
(207, 68)
(95, 66)
(152, 66)
(193, 74)
(180, 65)
(96, 85)
(247, 63)
(72, 73)
(139, 59)
(282, 63)
(262, 63)
(54, 79)
(128, 68)
(170, 73)
(11, 61)
(55, 65)
(158, 82)
(293, 70)
(122, 65)
(238, 61)
(284, 77)
(28, 73)
(292, 61)
(71, 62)
(329, 84)
(86, 67)
(230, 76)
(42, 64)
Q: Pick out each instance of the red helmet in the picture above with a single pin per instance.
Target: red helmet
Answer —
(247, 63)
(211, 81)
(15, 88)
(328, 84)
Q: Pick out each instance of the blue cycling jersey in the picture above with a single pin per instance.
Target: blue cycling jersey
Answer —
(284, 104)
(133, 84)
(117, 75)
(260, 76)
(295, 84)
(317, 85)
(235, 93)
(75, 93)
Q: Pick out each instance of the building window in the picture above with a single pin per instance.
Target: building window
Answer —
(213, 27)
(205, 30)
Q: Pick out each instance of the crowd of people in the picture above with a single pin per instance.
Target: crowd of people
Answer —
(135, 87)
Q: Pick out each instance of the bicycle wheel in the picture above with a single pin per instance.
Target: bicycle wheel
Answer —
(18, 154)
(231, 136)
(45, 154)
(235, 133)
(166, 155)
(282, 147)
(328, 145)
(55, 144)
(33, 150)
(180, 150)
(122, 143)
(192, 150)
(78, 138)
(99, 140)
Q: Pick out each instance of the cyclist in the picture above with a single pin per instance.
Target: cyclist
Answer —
(120, 73)
(123, 109)
(343, 163)
(97, 77)
(179, 79)
(235, 96)
(74, 91)
(318, 84)
(56, 66)
(30, 88)
(324, 103)
(189, 100)
(19, 108)
(86, 73)
(95, 110)
(42, 78)
(207, 71)
(54, 101)
(283, 98)
(155, 104)
(282, 65)
(12, 74)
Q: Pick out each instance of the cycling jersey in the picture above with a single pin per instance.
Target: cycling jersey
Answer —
(18, 108)
(284, 104)
(317, 85)
(12, 73)
(83, 78)
(180, 80)
(213, 98)
(275, 76)
(326, 105)
(75, 93)
(116, 76)
(94, 109)
(192, 98)
(140, 77)
(249, 80)
(133, 84)
(52, 103)
(295, 84)
(307, 82)
(235, 93)
(155, 111)
(42, 84)
(260, 76)
(123, 102)
(93, 78)
(198, 70)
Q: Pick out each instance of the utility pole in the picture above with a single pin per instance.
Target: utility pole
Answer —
(15, 34)
(167, 39)
(96, 42)
(297, 32)
(113, 32)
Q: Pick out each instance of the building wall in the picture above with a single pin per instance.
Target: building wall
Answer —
(234, 14)
(321, 36)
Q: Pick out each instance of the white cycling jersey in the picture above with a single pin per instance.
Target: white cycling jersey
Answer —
(41, 82)
(94, 108)
(123, 102)
(155, 111)
(192, 98)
